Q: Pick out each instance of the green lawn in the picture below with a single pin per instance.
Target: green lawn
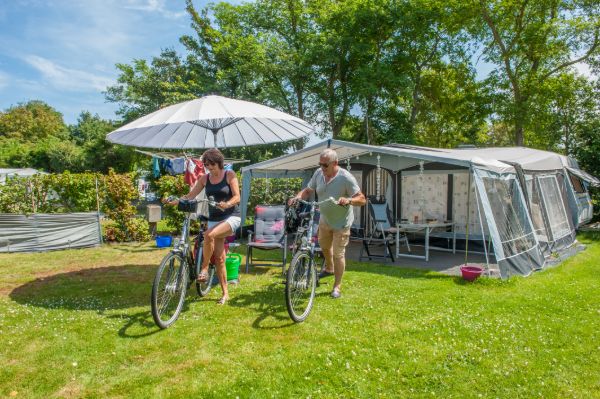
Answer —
(77, 324)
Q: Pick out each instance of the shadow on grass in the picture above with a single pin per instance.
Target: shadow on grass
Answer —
(135, 321)
(269, 303)
(100, 288)
(135, 248)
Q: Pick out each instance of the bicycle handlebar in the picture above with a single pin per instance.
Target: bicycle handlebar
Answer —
(312, 203)
(192, 201)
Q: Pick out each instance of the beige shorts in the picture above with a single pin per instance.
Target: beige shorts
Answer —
(335, 240)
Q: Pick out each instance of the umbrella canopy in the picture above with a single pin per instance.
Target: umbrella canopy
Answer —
(211, 121)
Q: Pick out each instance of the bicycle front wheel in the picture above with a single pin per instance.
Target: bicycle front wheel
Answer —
(169, 289)
(203, 288)
(300, 286)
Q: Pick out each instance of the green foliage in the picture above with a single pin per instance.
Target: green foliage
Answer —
(15, 153)
(79, 192)
(51, 193)
(31, 121)
(120, 192)
(58, 155)
(100, 155)
(166, 186)
(530, 43)
(34, 135)
(272, 192)
(13, 197)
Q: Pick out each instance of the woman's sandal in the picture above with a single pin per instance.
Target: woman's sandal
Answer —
(202, 277)
(222, 301)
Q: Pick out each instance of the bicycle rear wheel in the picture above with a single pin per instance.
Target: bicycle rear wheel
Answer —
(300, 286)
(169, 289)
(204, 288)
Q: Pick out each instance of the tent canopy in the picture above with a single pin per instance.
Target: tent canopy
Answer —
(397, 157)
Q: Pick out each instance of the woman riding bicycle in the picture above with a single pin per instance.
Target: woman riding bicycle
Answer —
(223, 220)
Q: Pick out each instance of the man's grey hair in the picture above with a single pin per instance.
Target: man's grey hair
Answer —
(329, 154)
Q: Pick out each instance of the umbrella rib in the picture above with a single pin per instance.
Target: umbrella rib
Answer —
(272, 131)
(158, 132)
(224, 107)
(188, 135)
(255, 131)
(283, 127)
(174, 132)
(295, 127)
(241, 135)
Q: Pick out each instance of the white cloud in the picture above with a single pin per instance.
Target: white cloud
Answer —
(153, 6)
(66, 78)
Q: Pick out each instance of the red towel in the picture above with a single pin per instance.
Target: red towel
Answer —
(194, 168)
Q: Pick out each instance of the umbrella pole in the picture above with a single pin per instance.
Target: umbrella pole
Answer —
(215, 131)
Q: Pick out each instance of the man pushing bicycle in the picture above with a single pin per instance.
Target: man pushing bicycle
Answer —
(336, 218)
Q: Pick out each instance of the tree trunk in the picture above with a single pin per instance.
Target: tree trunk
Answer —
(368, 131)
(414, 111)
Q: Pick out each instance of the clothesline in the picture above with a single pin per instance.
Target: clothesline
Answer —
(171, 156)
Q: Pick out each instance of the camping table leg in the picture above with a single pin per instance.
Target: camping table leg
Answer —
(397, 240)
(453, 239)
(427, 244)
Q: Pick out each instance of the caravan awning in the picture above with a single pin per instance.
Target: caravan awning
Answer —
(584, 176)
(397, 157)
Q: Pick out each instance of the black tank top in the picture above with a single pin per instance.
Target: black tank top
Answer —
(220, 192)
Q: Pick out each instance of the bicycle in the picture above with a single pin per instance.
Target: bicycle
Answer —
(302, 279)
(179, 269)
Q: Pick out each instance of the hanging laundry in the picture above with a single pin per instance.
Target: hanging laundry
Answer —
(178, 165)
(164, 165)
(155, 167)
(193, 170)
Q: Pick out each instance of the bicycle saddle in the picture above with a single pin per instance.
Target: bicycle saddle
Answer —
(304, 215)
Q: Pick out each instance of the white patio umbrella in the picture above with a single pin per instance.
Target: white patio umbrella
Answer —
(211, 121)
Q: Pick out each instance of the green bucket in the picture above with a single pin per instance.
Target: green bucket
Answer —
(232, 264)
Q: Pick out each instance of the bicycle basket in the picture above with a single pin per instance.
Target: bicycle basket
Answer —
(190, 206)
(292, 216)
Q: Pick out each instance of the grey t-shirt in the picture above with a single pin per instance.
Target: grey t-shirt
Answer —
(342, 185)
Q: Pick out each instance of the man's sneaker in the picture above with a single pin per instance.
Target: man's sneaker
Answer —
(336, 293)
(325, 273)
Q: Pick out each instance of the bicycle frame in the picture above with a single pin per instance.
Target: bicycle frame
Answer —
(307, 243)
(182, 244)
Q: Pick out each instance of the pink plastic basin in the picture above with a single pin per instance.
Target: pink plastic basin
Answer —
(470, 273)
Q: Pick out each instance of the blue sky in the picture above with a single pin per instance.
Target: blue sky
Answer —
(64, 52)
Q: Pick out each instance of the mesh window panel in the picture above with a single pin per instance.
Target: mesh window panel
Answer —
(510, 214)
(585, 208)
(555, 210)
(537, 217)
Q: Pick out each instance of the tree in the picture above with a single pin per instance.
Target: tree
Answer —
(143, 88)
(532, 41)
(31, 121)
(100, 155)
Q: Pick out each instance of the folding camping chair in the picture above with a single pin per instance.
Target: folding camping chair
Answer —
(269, 233)
(382, 230)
